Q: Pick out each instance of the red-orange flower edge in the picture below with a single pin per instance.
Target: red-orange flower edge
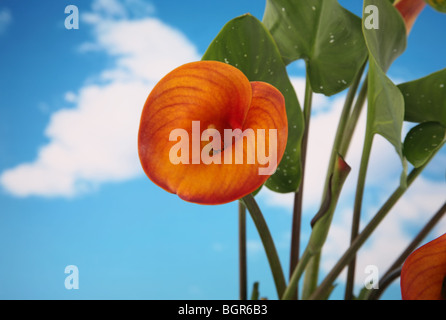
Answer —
(424, 271)
(410, 10)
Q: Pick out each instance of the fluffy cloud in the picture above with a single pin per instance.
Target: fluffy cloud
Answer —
(95, 141)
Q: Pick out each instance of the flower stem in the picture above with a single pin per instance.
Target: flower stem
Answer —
(342, 125)
(311, 276)
(298, 196)
(312, 271)
(290, 291)
(320, 224)
(367, 147)
(375, 294)
(350, 126)
(420, 236)
(268, 243)
(242, 251)
(384, 283)
(365, 234)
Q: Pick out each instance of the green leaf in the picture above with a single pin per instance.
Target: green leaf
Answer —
(323, 33)
(439, 5)
(422, 141)
(425, 98)
(388, 41)
(246, 44)
(385, 112)
(255, 291)
(363, 294)
(385, 107)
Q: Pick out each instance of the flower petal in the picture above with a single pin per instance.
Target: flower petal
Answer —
(209, 95)
(410, 9)
(424, 271)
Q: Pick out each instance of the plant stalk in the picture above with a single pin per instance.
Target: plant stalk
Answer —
(375, 294)
(368, 140)
(312, 271)
(267, 241)
(290, 291)
(365, 234)
(311, 276)
(243, 279)
(298, 196)
(353, 120)
(320, 224)
(342, 124)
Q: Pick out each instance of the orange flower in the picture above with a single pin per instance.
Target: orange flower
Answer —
(409, 9)
(423, 276)
(209, 135)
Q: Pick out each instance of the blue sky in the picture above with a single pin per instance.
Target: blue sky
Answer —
(71, 188)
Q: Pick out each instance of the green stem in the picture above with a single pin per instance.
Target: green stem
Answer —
(320, 224)
(375, 294)
(311, 276)
(343, 120)
(353, 120)
(420, 236)
(290, 291)
(298, 196)
(268, 243)
(243, 282)
(364, 235)
(367, 147)
(312, 271)
(255, 291)
(384, 283)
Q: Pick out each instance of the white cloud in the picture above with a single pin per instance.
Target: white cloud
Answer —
(96, 140)
(5, 19)
(113, 9)
(146, 48)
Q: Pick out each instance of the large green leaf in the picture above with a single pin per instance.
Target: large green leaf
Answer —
(425, 98)
(388, 41)
(323, 33)
(385, 112)
(246, 44)
(422, 141)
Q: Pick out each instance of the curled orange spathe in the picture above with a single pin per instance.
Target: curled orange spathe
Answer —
(409, 10)
(183, 144)
(423, 276)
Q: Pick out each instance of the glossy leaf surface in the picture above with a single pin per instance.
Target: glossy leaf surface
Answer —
(422, 141)
(425, 98)
(324, 34)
